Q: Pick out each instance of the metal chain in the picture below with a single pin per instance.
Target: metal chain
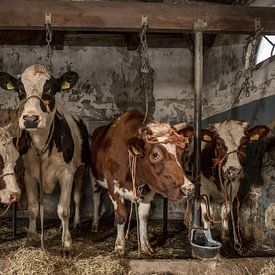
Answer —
(247, 73)
(49, 36)
(145, 67)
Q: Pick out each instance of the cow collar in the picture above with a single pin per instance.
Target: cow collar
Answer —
(46, 146)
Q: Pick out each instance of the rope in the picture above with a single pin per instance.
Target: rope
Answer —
(236, 232)
(145, 67)
(41, 202)
(133, 167)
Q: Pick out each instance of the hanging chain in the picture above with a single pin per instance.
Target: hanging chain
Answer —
(49, 36)
(145, 68)
(250, 62)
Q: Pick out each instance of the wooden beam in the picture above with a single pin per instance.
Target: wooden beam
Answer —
(126, 16)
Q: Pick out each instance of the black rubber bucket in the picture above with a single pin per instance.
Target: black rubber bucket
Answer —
(203, 245)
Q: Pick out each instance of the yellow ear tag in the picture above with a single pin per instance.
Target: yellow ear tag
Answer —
(10, 86)
(135, 150)
(206, 138)
(254, 137)
(65, 85)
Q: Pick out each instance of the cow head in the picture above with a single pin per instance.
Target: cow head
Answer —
(36, 89)
(159, 149)
(225, 143)
(9, 190)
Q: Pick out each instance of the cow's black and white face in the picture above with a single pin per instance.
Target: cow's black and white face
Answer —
(229, 139)
(37, 88)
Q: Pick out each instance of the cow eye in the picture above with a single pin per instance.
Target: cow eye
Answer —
(156, 155)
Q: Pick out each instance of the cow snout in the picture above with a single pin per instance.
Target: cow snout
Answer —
(188, 188)
(31, 121)
(15, 197)
(233, 172)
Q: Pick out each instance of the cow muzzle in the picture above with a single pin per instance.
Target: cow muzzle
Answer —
(31, 121)
(233, 173)
(188, 188)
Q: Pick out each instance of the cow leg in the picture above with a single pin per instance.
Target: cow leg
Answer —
(143, 214)
(225, 211)
(96, 204)
(121, 217)
(77, 197)
(33, 206)
(205, 220)
(63, 208)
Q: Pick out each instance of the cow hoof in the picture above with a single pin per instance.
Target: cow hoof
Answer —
(120, 250)
(33, 238)
(77, 228)
(65, 253)
(94, 228)
(147, 248)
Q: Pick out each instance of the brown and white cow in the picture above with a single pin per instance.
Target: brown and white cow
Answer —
(9, 189)
(157, 149)
(223, 155)
(55, 139)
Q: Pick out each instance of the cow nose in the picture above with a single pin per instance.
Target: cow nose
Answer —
(31, 121)
(15, 196)
(232, 172)
(188, 188)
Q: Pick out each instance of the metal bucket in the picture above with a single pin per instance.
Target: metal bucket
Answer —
(203, 245)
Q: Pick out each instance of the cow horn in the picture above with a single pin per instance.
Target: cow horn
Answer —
(180, 126)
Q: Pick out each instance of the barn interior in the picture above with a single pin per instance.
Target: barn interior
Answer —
(101, 40)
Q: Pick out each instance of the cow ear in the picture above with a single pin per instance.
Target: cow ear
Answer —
(187, 131)
(136, 146)
(257, 133)
(68, 80)
(207, 135)
(7, 82)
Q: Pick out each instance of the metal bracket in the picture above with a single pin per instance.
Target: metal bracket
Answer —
(257, 24)
(200, 24)
(48, 18)
(144, 20)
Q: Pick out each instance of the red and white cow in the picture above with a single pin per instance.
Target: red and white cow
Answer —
(55, 139)
(157, 150)
(223, 155)
(9, 189)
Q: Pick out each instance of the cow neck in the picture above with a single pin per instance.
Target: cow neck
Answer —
(40, 142)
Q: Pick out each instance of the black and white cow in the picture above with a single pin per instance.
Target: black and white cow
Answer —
(60, 139)
(223, 157)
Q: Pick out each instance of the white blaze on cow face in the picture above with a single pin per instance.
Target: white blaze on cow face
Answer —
(33, 80)
(231, 132)
(9, 156)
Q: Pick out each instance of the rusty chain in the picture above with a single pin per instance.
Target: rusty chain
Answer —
(250, 62)
(49, 36)
(145, 67)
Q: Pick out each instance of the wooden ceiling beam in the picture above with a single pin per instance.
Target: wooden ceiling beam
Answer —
(126, 16)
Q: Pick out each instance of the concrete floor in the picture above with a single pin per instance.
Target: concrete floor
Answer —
(218, 265)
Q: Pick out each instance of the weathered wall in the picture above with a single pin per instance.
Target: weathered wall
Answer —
(109, 80)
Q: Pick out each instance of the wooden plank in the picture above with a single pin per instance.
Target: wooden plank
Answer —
(126, 16)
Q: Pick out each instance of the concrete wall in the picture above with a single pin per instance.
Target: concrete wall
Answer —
(109, 80)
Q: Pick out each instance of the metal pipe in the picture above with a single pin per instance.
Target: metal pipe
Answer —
(197, 119)
(165, 218)
(14, 220)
